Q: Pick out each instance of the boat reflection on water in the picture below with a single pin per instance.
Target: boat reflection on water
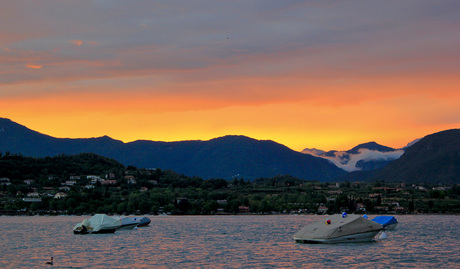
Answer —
(249, 241)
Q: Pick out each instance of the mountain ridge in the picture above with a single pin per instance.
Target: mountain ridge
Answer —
(224, 157)
(434, 158)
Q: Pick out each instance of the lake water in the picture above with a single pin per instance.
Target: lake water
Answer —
(224, 242)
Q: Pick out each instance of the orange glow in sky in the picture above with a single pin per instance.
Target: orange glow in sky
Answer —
(308, 74)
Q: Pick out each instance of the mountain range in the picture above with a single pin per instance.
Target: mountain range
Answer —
(434, 158)
(225, 157)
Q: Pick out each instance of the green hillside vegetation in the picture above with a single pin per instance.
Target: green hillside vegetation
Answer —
(88, 183)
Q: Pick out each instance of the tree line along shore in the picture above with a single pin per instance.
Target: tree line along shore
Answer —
(86, 184)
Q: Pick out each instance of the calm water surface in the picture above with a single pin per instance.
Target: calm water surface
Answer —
(224, 242)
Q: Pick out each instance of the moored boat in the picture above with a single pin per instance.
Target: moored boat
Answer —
(339, 229)
(128, 223)
(97, 224)
(143, 221)
(388, 222)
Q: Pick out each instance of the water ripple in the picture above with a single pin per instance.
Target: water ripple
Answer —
(224, 242)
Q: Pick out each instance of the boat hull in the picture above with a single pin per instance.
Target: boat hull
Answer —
(101, 231)
(128, 226)
(390, 227)
(353, 238)
(144, 222)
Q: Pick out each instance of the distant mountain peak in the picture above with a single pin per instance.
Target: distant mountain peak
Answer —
(313, 151)
(5, 119)
(366, 156)
(370, 146)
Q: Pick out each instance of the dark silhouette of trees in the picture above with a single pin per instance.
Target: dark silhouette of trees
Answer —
(102, 185)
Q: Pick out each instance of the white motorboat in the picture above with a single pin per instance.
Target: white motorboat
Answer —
(339, 229)
(97, 224)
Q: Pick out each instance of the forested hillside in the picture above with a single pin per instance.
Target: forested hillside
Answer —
(88, 184)
(434, 159)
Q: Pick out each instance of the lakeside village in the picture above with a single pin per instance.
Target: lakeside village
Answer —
(142, 191)
(86, 184)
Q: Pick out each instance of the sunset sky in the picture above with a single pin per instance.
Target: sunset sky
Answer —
(323, 74)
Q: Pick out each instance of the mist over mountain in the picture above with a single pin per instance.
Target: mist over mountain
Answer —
(225, 157)
(364, 157)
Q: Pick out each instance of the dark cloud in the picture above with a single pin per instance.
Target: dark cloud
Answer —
(230, 40)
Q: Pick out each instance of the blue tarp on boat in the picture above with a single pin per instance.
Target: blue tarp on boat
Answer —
(385, 220)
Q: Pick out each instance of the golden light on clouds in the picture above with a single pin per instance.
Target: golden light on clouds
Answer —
(34, 66)
(303, 74)
(76, 42)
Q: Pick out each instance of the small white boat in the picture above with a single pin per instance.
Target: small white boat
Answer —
(339, 229)
(97, 224)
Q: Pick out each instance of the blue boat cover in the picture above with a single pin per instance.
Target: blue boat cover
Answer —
(385, 220)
